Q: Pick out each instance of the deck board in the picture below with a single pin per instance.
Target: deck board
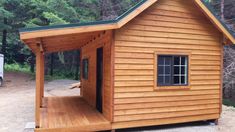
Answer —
(70, 114)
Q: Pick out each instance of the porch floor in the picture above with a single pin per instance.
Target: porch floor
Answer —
(70, 114)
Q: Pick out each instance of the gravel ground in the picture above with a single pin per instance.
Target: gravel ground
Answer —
(17, 107)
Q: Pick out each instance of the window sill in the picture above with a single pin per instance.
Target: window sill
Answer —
(168, 88)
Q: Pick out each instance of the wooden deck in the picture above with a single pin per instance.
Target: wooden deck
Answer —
(62, 114)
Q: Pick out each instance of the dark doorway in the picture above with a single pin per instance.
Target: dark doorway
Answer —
(99, 79)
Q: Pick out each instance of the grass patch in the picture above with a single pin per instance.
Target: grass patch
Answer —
(228, 102)
(58, 74)
(15, 67)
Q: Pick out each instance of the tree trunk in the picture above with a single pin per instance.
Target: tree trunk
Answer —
(4, 39)
(77, 65)
(107, 11)
(52, 64)
(222, 10)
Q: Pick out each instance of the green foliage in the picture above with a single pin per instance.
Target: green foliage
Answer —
(124, 5)
(35, 22)
(53, 18)
(4, 14)
(25, 68)
(63, 10)
(16, 67)
(60, 74)
(228, 102)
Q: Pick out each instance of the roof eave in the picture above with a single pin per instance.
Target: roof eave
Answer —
(65, 31)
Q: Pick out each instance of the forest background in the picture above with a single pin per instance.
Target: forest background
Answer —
(16, 14)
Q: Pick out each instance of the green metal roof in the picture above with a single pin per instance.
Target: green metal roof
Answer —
(85, 24)
(212, 10)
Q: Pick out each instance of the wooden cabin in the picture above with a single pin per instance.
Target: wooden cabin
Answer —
(159, 63)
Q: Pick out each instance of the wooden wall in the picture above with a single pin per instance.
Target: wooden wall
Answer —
(89, 86)
(168, 25)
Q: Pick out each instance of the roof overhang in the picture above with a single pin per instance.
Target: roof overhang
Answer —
(63, 42)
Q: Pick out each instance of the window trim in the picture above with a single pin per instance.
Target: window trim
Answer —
(172, 53)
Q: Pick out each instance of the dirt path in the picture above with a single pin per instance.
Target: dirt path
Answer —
(17, 99)
(17, 107)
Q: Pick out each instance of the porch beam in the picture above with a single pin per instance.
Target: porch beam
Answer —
(42, 49)
(94, 38)
(39, 83)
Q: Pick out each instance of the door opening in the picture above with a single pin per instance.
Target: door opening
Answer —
(99, 79)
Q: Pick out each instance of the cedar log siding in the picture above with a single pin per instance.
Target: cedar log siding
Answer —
(177, 25)
(89, 86)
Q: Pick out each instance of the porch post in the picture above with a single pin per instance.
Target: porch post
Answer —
(42, 79)
(39, 84)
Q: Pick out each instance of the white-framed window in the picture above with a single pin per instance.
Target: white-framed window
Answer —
(172, 70)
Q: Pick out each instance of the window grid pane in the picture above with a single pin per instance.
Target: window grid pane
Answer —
(164, 70)
(164, 62)
(185, 70)
(172, 70)
(180, 76)
(180, 72)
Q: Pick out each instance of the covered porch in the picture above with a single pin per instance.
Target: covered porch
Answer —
(70, 114)
(93, 111)
(76, 113)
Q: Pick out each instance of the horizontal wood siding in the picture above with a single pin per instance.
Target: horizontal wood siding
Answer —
(89, 86)
(168, 25)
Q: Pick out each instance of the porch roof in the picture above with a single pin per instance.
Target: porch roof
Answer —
(74, 36)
